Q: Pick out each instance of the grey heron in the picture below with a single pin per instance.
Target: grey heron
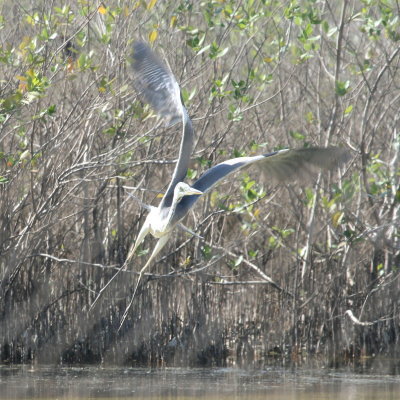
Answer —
(157, 85)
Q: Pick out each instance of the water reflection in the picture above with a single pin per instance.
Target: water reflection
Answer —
(272, 384)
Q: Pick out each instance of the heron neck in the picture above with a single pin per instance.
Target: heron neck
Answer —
(182, 164)
(172, 209)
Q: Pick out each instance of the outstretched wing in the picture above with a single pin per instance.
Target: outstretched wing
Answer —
(159, 88)
(279, 167)
(301, 164)
(155, 82)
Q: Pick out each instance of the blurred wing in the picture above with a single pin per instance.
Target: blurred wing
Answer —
(279, 166)
(302, 164)
(155, 82)
(158, 86)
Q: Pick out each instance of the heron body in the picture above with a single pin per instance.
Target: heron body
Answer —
(162, 220)
(159, 222)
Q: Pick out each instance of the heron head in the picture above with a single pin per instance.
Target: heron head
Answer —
(183, 189)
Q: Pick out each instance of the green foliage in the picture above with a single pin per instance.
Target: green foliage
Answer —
(191, 173)
(235, 114)
(297, 135)
(383, 184)
(342, 87)
(196, 39)
(188, 96)
(248, 189)
(206, 252)
(379, 16)
(235, 264)
(278, 238)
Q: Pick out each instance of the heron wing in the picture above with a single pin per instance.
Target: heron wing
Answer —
(301, 164)
(158, 86)
(279, 166)
(156, 83)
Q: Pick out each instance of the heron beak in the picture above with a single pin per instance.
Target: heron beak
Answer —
(195, 192)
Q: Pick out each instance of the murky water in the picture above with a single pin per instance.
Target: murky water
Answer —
(134, 383)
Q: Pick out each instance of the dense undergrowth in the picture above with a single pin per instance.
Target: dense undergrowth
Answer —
(256, 76)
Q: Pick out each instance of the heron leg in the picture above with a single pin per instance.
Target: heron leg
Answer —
(160, 244)
(142, 234)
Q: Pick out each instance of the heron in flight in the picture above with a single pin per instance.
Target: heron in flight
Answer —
(157, 85)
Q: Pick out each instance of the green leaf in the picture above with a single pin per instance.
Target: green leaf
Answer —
(325, 26)
(203, 49)
(342, 87)
(348, 110)
(221, 53)
(337, 218)
(310, 194)
(238, 261)
(188, 96)
(142, 252)
(310, 117)
(252, 253)
(297, 135)
(216, 52)
(207, 252)
(272, 242)
(235, 114)
(191, 173)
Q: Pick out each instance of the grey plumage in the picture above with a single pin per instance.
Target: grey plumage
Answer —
(155, 83)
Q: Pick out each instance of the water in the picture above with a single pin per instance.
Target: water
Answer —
(185, 384)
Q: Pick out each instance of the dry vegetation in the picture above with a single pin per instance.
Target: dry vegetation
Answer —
(255, 75)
